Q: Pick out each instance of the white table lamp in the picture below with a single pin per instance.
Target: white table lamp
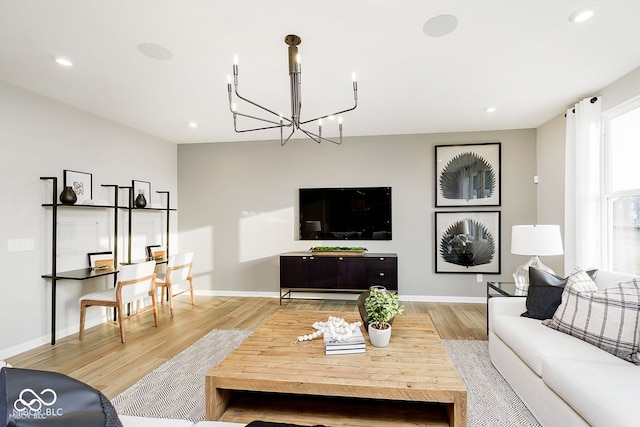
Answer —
(535, 241)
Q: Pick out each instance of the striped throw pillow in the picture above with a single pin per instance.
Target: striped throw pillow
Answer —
(608, 318)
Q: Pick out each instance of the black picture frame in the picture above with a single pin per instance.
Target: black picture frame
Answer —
(468, 175)
(80, 182)
(467, 242)
(141, 186)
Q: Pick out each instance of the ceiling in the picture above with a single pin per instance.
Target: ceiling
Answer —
(524, 58)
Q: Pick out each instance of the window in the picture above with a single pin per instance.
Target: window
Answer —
(622, 188)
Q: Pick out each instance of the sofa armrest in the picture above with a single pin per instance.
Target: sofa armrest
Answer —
(605, 279)
(509, 306)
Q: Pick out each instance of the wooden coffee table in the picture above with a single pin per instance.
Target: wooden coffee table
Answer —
(410, 382)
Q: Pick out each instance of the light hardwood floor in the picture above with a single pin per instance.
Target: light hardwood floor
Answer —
(101, 361)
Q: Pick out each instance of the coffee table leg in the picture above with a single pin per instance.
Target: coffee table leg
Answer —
(217, 400)
(457, 413)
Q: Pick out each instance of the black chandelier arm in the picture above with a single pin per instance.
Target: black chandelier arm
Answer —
(355, 105)
(318, 138)
(284, 141)
(276, 125)
(258, 105)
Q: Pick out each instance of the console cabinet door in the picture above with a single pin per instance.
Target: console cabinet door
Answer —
(322, 272)
(351, 273)
(294, 271)
(382, 271)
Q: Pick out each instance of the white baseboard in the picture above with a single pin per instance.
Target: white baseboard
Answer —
(46, 339)
(343, 296)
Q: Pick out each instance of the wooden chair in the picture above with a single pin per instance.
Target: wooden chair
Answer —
(135, 281)
(178, 273)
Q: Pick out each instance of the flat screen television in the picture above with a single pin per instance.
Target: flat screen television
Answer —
(345, 213)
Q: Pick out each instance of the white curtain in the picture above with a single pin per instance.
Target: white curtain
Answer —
(582, 238)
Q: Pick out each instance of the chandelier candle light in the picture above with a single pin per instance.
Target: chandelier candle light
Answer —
(295, 122)
(534, 241)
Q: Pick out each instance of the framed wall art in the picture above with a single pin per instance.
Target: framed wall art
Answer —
(467, 242)
(80, 182)
(468, 174)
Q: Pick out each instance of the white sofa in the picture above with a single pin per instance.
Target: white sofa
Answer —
(563, 380)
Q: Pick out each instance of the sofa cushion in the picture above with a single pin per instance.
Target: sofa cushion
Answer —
(534, 343)
(608, 318)
(603, 394)
(545, 292)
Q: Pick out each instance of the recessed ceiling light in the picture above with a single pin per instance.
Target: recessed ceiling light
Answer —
(440, 25)
(60, 60)
(155, 51)
(490, 110)
(581, 15)
(192, 124)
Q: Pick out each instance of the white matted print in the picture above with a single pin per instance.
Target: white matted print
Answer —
(467, 242)
(141, 187)
(468, 175)
(81, 183)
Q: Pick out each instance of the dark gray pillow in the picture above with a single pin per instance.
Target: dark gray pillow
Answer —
(545, 293)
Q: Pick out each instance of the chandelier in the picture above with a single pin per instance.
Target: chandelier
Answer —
(281, 122)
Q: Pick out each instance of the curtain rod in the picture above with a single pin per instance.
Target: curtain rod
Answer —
(592, 100)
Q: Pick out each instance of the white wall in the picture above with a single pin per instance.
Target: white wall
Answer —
(41, 137)
(550, 169)
(239, 205)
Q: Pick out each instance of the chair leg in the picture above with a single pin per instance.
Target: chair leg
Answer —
(121, 323)
(193, 301)
(170, 293)
(155, 306)
(83, 313)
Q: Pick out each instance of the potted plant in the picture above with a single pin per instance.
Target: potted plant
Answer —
(381, 306)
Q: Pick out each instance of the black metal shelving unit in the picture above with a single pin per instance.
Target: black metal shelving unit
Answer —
(88, 273)
(80, 274)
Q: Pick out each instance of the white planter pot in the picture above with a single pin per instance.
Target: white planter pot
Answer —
(380, 337)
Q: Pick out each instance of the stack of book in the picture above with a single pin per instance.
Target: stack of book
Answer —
(354, 344)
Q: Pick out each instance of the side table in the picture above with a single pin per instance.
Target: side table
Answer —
(501, 289)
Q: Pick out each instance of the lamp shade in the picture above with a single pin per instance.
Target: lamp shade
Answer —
(536, 240)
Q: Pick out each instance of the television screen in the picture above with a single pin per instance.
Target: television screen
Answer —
(345, 213)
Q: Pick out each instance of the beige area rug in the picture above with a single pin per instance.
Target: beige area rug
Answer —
(176, 388)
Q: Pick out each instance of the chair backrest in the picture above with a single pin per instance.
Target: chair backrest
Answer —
(135, 280)
(179, 267)
(99, 260)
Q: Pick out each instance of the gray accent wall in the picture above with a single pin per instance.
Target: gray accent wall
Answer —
(239, 205)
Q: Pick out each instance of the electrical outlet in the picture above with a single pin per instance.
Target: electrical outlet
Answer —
(479, 278)
(20, 245)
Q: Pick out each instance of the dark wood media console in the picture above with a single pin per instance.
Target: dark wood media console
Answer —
(307, 272)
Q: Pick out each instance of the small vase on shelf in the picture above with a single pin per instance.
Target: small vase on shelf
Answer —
(68, 196)
(140, 201)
